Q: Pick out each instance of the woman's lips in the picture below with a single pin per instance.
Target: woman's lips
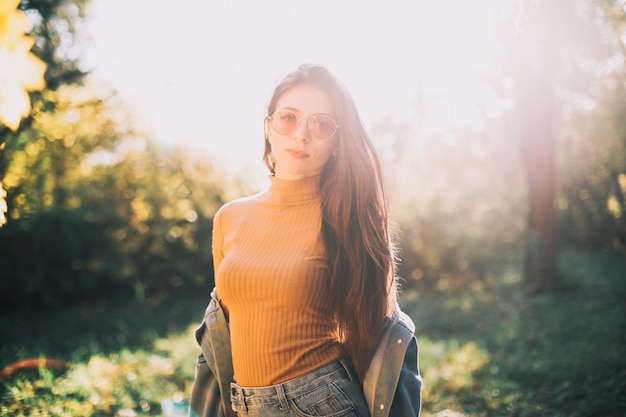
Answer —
(297, 153)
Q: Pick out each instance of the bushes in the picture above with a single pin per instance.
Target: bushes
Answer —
(497, 352)
(137, 226)
(128, 383)
(486, 352)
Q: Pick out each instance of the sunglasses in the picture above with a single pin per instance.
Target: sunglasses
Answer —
(321, 126)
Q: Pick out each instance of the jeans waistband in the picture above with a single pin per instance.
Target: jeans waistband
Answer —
(242, 396)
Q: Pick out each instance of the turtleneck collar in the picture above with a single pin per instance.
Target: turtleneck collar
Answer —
(294, 191)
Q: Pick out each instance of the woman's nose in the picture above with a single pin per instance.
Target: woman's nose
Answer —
(302, 130)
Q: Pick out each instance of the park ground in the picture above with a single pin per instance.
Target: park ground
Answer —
(486, 350)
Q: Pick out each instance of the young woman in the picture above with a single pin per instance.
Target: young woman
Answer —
(304, 271)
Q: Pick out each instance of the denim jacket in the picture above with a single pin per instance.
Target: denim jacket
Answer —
(392, 383)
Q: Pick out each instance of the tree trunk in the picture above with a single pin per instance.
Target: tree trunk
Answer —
(536, 96)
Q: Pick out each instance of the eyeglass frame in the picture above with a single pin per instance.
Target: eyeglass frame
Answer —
(299, 119)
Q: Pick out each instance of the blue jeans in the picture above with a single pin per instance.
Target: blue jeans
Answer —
(331, 390)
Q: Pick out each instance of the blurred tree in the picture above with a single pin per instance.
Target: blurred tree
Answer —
(56, 26)
(95, 210)
(594, 141)
(20, 72)
(568, 65)
(534, 59)
(458, 199)
(548, 171)
(53, 29)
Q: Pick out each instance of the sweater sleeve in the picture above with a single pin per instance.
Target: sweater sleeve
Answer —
(217, 241)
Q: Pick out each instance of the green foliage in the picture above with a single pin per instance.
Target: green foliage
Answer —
(461, 195)
(592, 207)
(59, 43)
(483, 351)
(101, 211)
(456, 200)
(493, 351)
(121, 383)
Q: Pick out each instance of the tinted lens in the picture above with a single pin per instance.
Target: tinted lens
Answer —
(322, 126)
(284, 122)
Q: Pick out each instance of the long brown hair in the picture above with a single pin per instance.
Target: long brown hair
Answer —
(355, 225)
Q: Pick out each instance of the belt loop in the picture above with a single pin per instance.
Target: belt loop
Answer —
(237, 398)
(280, 392)
(348, 369)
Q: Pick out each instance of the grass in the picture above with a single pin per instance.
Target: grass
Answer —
(124, 360)
(487, 351)
(491, 351)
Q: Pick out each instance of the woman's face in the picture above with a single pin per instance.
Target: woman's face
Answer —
(298, 154)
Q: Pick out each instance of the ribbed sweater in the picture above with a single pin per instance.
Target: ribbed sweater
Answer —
(273, 282)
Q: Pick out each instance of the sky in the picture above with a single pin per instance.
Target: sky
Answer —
(199, 73)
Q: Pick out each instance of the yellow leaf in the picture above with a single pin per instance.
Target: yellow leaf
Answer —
(8, 6)
(14, 104)
(20, 71)
(13, 24)
(26, 68)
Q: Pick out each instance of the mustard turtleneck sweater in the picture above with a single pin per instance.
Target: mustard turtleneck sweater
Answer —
(272, 281)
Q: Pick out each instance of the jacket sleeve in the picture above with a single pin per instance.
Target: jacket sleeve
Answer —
(210, 396)
(392, 383)
(407, 400)
(205, 400)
